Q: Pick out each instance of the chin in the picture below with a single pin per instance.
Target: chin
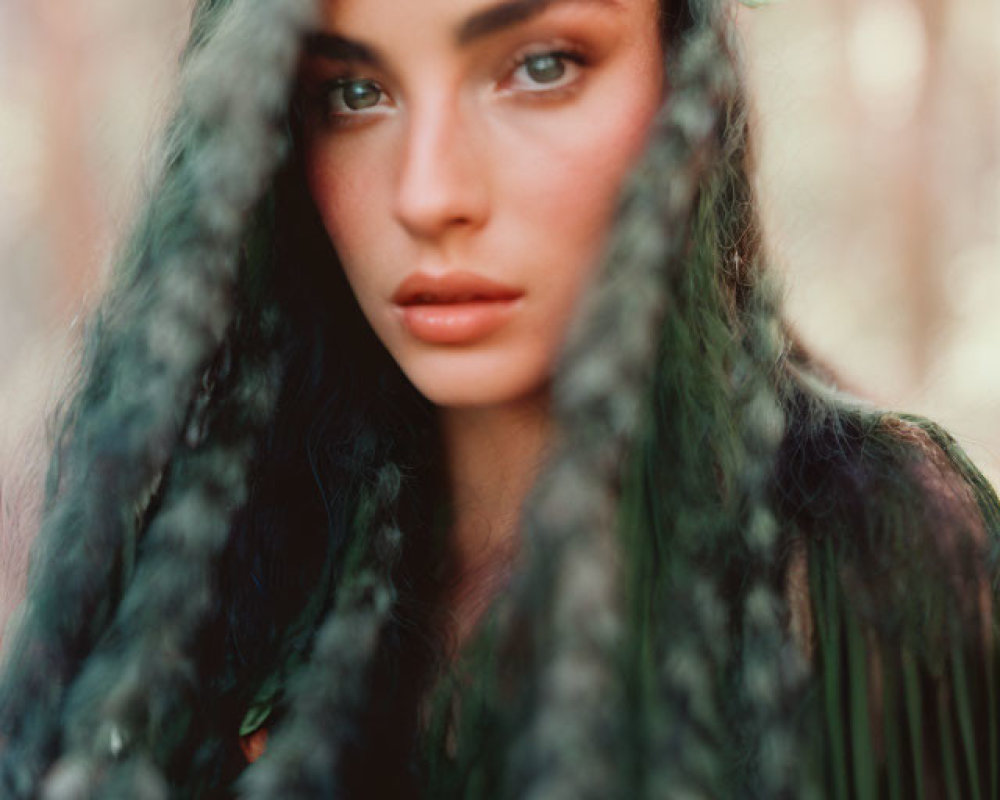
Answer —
(458, 381)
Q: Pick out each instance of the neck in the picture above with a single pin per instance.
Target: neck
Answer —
(492, 457)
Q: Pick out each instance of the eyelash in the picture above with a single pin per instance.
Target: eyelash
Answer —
(573, 59)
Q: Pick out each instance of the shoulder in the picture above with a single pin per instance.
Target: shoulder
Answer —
(849, 468)
(892, 496)
(890, 575)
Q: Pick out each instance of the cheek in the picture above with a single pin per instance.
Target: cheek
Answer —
(583, 155)
(345, 186)
(568, 188)
(336, 187)
(578, 186)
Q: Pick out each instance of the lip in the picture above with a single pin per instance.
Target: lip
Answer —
(454, 307)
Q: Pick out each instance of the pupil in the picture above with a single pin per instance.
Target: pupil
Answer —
(360, 94)
(545, 68)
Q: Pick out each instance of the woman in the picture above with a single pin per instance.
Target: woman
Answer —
(385, 292)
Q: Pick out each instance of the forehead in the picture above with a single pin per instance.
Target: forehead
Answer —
(462, 20)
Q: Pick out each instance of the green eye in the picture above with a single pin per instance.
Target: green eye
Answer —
(359, 94)
(545, 67)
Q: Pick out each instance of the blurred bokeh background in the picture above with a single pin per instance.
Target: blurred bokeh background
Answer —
(879, 171)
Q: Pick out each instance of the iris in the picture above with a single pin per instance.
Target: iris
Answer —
(358, 94)
(545, 68)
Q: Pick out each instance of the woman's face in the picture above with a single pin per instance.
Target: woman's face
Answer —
(466, 157)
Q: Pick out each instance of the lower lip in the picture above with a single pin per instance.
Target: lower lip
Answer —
(456, 323)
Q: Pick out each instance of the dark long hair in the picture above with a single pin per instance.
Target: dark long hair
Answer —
(241, 513)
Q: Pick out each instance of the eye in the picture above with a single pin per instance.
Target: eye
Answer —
(345, 97)
(546, 71)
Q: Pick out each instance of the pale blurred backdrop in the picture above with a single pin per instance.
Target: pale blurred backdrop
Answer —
(879, 173)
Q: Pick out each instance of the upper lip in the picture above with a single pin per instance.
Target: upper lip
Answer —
(451, 287)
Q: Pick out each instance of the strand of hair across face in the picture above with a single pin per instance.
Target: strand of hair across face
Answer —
(573, 745)
(306, 757)
(154, 338)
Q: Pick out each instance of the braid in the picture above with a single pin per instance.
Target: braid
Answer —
(306, 758)
(704, 524)
(124, 706)
(692, 526)
(155, 337)
(772, 669)
(570, 748)
(723, 583)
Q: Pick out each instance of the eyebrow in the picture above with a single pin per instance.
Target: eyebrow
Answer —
(479, 25)
(340, 48)
(511, 13)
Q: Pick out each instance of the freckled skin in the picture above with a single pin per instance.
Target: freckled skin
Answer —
(471, 158)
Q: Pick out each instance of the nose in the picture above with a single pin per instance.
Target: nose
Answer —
(442, 181)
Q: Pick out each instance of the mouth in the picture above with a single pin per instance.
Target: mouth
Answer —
(425, 288)
(454, 307)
